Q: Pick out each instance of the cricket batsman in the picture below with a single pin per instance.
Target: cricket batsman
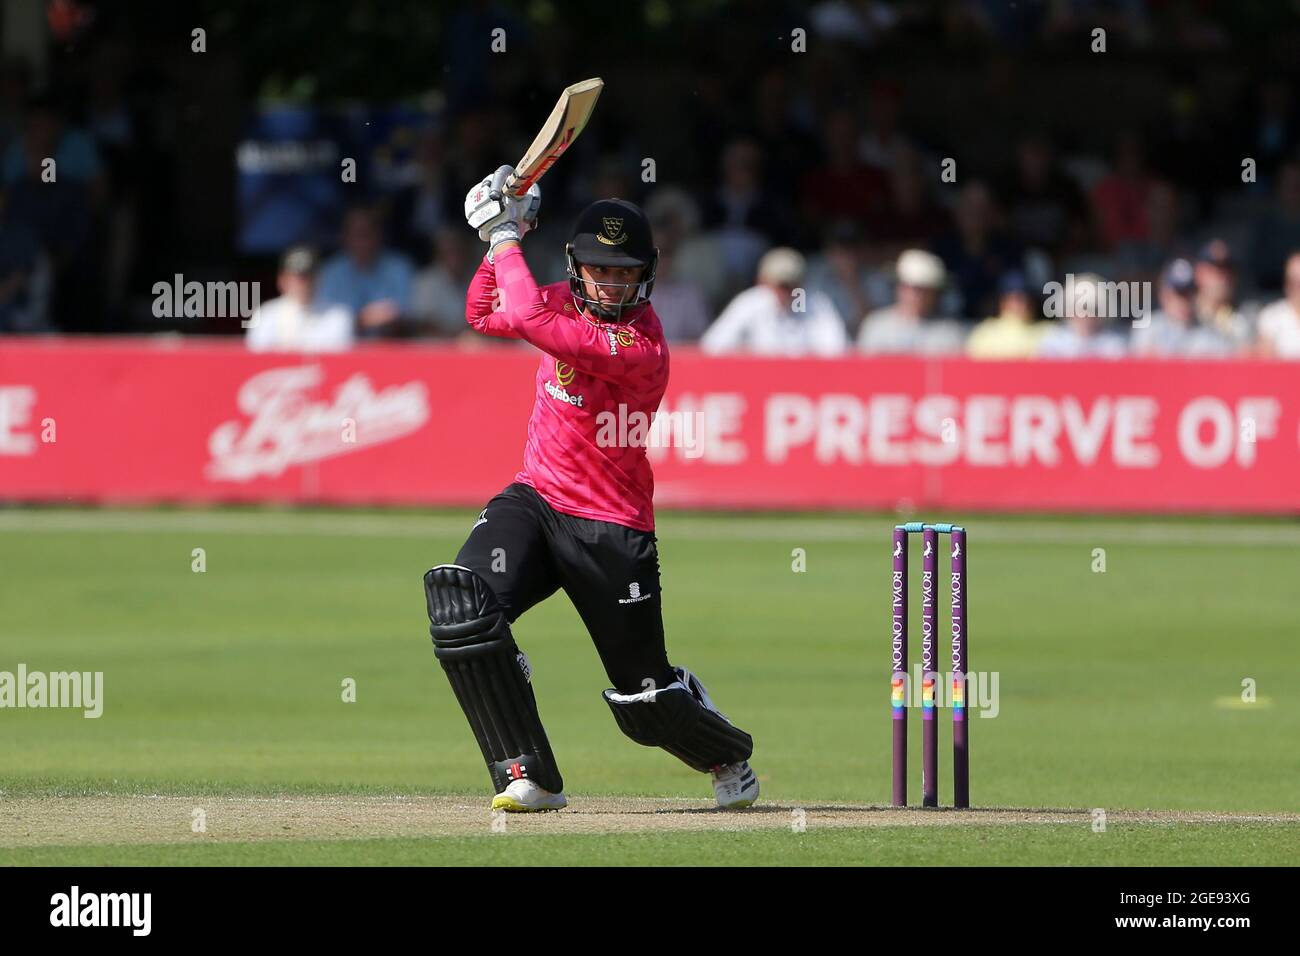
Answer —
(578, 515)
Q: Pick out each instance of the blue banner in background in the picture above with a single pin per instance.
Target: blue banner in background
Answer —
(289, 167)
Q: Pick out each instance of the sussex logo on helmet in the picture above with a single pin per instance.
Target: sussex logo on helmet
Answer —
(614, 234)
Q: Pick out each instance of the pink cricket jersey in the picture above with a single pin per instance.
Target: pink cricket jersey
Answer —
(588, 368)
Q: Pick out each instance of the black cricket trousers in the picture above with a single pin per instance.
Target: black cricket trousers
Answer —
(526, 550)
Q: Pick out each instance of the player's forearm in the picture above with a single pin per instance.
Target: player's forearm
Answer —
(482, 304)
(522, 304)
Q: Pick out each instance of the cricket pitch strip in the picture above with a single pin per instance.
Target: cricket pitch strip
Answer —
(112, 819)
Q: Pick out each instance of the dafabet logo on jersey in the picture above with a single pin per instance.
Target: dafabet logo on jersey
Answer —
(564, 374)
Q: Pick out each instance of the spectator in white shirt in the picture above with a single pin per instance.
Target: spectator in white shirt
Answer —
(777, 316)
(294, 322)
(1279, 323)
(909, 325)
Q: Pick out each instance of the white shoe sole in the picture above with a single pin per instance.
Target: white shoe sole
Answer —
(739, 804)
(503, 801)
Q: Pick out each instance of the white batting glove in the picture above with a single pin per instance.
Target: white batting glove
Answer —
(488, 206)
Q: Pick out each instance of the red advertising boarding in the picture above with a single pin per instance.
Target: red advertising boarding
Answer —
(126, 420)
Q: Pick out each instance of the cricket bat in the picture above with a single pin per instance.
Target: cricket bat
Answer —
(561, 128)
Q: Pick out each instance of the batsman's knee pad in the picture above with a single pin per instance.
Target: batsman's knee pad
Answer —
(490, 677)
(682, 719)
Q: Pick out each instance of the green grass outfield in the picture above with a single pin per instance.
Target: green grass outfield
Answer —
(1117, 690)
(1139, 845)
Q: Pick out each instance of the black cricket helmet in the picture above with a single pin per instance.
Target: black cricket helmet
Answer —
(612, 232)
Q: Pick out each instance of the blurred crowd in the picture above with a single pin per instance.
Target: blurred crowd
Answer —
(871, 252)
(812, 211)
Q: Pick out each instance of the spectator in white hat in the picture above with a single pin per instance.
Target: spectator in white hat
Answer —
(909, 325)
(778, 316)
(295, 322)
